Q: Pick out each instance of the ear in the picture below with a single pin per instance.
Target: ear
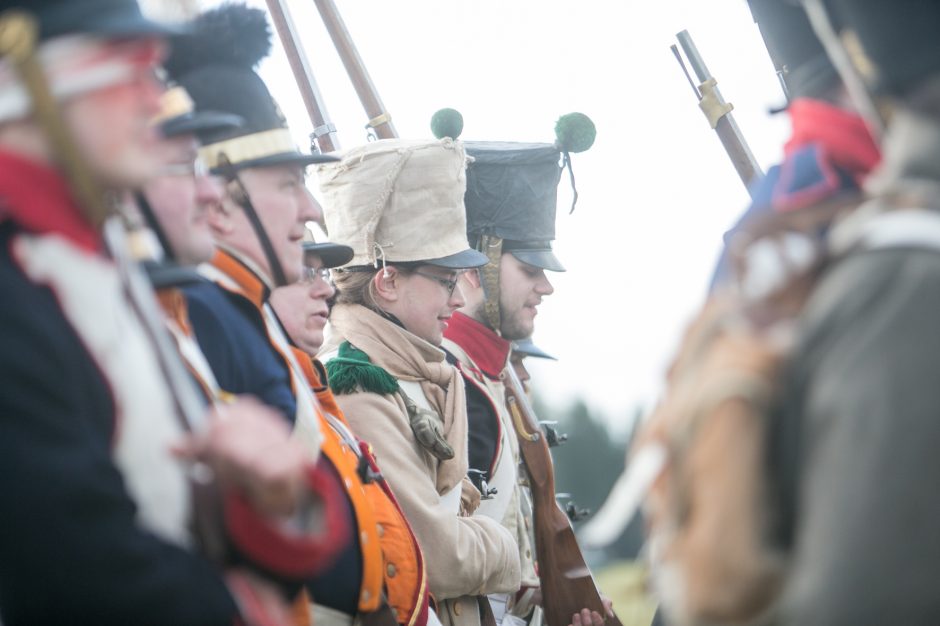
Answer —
(386, 283)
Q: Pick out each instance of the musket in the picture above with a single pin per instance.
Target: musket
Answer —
(565, 579)
(380, 122)
(18, 42)
(323, 138)
(718, 112)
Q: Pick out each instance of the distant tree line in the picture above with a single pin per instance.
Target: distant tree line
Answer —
(588, 464)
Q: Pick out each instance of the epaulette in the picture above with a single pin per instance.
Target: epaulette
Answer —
(351, 371)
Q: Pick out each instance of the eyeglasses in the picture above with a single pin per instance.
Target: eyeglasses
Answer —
(311, 274)
(447, 283)
(195, 169)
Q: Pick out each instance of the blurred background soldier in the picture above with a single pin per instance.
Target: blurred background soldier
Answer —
(101, 529)
(399, 205)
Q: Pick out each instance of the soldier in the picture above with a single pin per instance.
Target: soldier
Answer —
(265, 174)
(773, 451)
(830, 150)
(858, 429)
(99, 526)
(399, 205)
(176, 203)
(392, 575)
(511, 201)
(258, 225)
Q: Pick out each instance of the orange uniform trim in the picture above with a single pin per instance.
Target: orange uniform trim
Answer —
(248, 282)
(392, 558)
(251, 287)
(173, 303)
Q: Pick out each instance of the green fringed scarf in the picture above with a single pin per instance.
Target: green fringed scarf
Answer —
(351, 371)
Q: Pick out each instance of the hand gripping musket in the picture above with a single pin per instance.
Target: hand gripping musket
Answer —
(323, 138)
(718, 112)
(18, 42)
(566, 581)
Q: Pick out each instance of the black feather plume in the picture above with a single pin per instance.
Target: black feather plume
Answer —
(232, 34)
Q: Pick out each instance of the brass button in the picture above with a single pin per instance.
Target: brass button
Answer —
(381, 530)
(366, 595)
(391, 570)
(528, 554)
(363, 537)
(457, 607)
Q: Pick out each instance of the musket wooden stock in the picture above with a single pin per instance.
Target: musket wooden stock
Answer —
(567, 583)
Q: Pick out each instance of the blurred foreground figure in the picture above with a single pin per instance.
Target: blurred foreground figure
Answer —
(858, 432)
(827, 157)
(797, 440)
(93, 451)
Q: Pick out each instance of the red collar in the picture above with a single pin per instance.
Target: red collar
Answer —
(843, 135)
(249, 283)
(36, 197)
(486, 349)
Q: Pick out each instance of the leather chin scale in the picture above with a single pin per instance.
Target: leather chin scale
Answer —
(240, 195)
(492, 247)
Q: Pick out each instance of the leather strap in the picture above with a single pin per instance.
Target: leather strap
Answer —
(382, 616)
(486, 612)
(492, 247)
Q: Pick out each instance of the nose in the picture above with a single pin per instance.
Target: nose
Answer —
(150, 90)
(310, 210)
(208, 190)
(322, 289)
(456, 299)
(544, 286)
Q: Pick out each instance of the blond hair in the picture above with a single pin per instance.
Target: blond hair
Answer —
(355, 287)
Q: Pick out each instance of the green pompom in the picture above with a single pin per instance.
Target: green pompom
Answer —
(447, 123)
(352, 371)
(574, 132)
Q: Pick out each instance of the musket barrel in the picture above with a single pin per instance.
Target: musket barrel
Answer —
(324, 132)
(725, 126)
(692, 54)
(379, 120)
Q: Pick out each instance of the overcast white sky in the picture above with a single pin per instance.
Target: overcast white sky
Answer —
(656, 190)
